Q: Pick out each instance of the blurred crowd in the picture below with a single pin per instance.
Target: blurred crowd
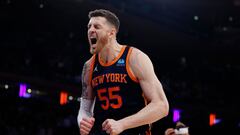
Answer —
(34, 117)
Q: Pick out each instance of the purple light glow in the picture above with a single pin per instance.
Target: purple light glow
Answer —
(22, 90)
(176, 115)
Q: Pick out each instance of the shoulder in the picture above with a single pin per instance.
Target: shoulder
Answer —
(88, 65)
(139, 62)
(90, 62)
(87, 70)
(136, 55)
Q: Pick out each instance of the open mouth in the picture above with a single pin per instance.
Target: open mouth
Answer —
(93, 40)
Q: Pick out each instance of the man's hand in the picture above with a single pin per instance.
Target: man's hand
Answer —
(86, 125)
(112, 127)
(169, 131)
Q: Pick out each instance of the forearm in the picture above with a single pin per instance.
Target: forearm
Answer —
(86, 109)
(149, 114)
(87, 97)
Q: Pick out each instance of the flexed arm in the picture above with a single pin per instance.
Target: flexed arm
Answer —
(157, 108)
(85, 116)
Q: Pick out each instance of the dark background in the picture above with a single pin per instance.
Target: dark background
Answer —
(193, 44)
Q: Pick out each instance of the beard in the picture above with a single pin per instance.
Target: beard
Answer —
(104, 40)
(100, 44)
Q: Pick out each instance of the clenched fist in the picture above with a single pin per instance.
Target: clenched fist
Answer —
(112, 127)
(86, 125)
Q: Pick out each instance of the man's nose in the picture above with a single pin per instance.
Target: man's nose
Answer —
(91, 30)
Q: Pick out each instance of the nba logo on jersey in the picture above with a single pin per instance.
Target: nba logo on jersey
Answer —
(95, 69)
(121, 62)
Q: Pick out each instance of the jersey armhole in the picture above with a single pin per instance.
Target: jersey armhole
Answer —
(129, 71)
(92, 62)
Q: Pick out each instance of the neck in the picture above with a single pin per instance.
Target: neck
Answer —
(110, 51)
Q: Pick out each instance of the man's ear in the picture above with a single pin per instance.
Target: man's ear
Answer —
(113, 32)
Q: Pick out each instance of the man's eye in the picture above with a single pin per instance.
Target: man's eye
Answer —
(97, 27)
(89, 26)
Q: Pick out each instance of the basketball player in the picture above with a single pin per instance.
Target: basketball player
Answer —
(119, 82)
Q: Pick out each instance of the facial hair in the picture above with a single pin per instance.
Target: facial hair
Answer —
(101, 43)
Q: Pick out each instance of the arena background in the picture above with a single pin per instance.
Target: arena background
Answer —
(194, 46)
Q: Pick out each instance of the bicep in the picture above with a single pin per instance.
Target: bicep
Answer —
(87, 91)
(152, 89)
(149, 82)
(144, 71)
